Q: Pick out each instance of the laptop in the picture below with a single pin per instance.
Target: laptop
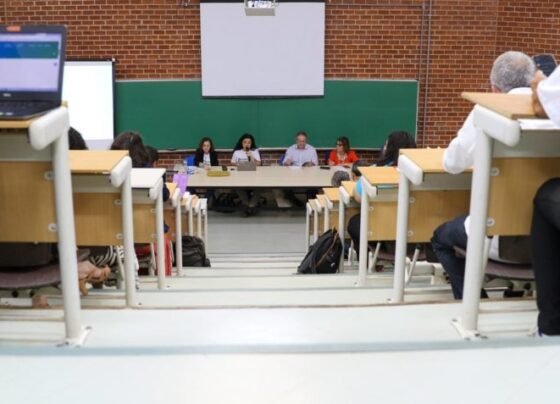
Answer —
(246, 166)
(31, 66)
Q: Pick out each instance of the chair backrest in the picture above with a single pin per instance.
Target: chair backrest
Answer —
(189, 160)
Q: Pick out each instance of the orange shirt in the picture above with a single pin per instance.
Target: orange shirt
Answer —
(351, 158)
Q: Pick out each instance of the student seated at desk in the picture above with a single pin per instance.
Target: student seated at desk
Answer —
(511, 73)
(339, 176)
(75, 140)
(389, 157)
(132, 141)
(205, 156)
(245, 151)
(342, 155)
(545, 229)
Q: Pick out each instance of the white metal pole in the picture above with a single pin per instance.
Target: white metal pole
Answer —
(307, 226)
(477, 232)
(326, 218)
(178, 237)
(199, 219)
(128, 242)
(315, 222)
(160, 241)
(402, 238)
(341, 228)
(66, 235)
(363, 247)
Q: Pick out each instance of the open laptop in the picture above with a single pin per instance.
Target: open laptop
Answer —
(246, 166)
(31, 66)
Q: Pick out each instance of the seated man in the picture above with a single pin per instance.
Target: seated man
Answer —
(545, 229)
(511, 73)
(301, 154)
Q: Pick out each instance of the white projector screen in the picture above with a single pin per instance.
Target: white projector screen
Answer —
(87, 87)
(262, 56)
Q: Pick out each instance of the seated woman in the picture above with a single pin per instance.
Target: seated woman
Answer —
(246, 151)
(389, 157)
(342, 155)
(205, 156)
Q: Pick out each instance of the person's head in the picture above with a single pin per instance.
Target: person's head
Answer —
(132, 141)
(153, 155)
(339, 176)
(75, 140)
(511, 70)
(245, 142)
(343, 144)
(206, 145)
(395, 142)
(301, 139)
(355, 172)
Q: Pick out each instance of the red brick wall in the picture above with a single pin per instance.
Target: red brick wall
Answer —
(529, 26)
(367, 39)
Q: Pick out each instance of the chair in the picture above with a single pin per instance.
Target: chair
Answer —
(189, 161)
(519, 277)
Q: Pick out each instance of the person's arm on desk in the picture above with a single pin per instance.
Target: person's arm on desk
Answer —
(459, 155)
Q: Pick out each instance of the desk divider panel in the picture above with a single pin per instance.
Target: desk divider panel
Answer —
(98, 219)
(28, 210)
(144, 223)
(432, 208)
(513, 185)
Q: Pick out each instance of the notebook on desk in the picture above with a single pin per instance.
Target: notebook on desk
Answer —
(31, 66)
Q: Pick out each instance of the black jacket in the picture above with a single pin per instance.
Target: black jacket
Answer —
(199, 158)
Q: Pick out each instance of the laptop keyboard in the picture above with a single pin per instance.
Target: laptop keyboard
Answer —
(19, 108)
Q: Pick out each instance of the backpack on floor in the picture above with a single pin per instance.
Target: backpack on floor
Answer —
(194, 253)
(323, 256)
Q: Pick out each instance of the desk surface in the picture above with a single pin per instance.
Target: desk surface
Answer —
(94, 161)
(332, 194)
(380, 175)
(429, 160)
(15, 124)
(349, 186)
(145, 177)
(171, 186)
(512, 106)
(265, 177)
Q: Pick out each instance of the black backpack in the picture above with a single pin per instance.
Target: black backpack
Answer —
(194, 253)
(323, 256)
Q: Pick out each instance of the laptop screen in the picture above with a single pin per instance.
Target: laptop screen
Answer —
(31, 62)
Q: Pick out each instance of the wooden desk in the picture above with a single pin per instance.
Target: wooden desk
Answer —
(377, 211)
(431, 196)
(147, 191)
(102, 218)
(266, 177)
(513, 158)
(41, 210)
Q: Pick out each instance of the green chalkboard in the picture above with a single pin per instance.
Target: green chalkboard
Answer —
(173, 114)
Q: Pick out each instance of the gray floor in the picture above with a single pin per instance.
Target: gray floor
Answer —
(278, 231)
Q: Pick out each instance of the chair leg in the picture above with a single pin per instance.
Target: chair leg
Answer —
(373, 259)
(411, 265)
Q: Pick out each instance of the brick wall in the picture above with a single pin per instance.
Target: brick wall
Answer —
(364, 39)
